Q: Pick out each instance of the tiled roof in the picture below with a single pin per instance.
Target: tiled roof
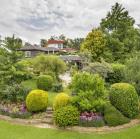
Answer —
(55, 41)
(38, 48)
(68, 50)
(71, 58)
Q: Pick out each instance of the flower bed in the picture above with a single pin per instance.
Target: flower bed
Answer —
(91, 119)
(14, 110)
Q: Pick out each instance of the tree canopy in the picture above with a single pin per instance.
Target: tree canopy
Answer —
(94, 43)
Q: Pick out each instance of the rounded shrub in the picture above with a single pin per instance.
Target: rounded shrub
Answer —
(66, 116)
(125, 98)
(45, 82)
(61, 100)
(117, 74)
(37, 100)
(113, 117)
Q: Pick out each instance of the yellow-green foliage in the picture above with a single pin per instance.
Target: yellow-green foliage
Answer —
(37, 100)
(94, 43)
(66, 116)
(125, 98)
(61, 100)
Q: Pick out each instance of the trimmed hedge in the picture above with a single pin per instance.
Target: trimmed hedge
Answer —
(37, 100)
(113, 117)
(61, 100)
(125, 98)
(45, 82)
(66, 116)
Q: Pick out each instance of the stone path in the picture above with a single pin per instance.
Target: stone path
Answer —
(66, 78)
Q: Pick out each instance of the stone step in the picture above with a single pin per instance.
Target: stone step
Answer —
(49, 115)
(49, 112)
(49, 109)
(47, 121)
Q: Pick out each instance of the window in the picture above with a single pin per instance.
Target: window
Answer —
(28, 54)
(60, 46)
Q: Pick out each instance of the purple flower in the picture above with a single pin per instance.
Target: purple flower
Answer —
(23, 108)
(90, 116)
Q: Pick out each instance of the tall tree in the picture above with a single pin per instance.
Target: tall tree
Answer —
(122, 38)
(13, 44)
(9, 56)
(75, 43)
(117, 18)
(43, 42)
(94, 43)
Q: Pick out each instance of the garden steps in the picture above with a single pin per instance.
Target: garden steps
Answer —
(47, 121)
(48, 116)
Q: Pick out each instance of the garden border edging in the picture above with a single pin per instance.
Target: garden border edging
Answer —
(40, 124)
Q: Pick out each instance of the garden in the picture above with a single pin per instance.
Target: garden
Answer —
(103, 93)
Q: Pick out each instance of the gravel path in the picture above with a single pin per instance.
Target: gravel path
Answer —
(66, 78)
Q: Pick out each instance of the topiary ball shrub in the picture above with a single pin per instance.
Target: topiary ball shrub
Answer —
(61, 100)
(113, 117)
(125, 98)
(66, 116)
(37, 100)
(45, 82)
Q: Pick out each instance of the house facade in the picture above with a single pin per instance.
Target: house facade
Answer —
(59, 44)
(34, 50)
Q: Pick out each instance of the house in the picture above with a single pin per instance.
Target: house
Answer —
(59, 44)
(34, 50)
(68, 50)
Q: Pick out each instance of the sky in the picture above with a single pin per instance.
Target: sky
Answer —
(35, 19)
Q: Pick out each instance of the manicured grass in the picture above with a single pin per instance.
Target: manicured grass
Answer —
(30, 84)
(10, 131)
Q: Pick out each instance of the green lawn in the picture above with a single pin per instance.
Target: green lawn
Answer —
(30, 84)
(10, 131)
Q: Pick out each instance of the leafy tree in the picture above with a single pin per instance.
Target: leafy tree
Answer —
(43, 42)
(102, 68)
(44, 64)
(94, 43)
(9, 56)
(132, 72)
(117, 18)
(122, 38)
(75, 43)
(13, 44)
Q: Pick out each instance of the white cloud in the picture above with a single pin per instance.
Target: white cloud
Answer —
(36, 19)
